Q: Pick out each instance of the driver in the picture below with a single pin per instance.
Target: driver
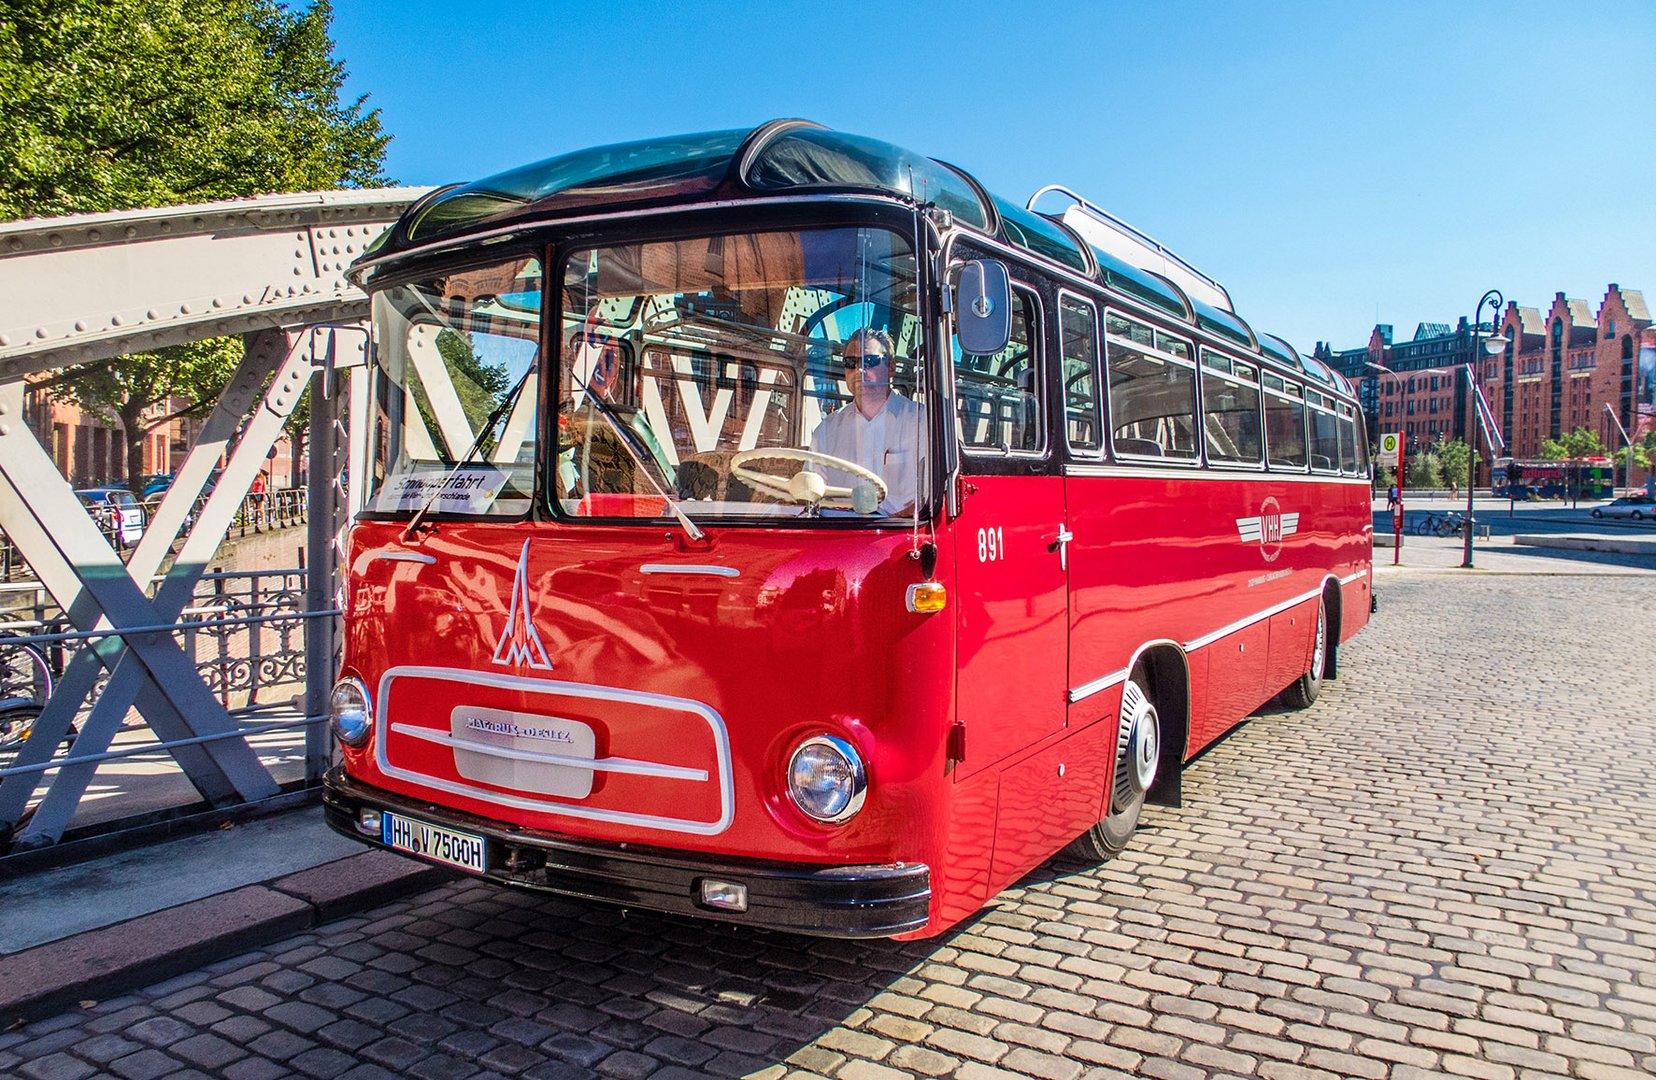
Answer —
(879, 430)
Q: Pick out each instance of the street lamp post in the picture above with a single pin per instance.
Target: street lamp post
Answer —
(1494, 301)
(1614, 419)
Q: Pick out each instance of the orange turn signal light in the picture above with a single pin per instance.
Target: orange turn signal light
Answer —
(927, 597)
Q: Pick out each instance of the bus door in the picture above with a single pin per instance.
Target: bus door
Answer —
(1013, 609)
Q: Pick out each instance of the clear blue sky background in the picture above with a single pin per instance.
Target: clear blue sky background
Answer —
(1333, 164)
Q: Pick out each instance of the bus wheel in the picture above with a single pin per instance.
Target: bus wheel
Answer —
(1303, 690)
(1138, 753)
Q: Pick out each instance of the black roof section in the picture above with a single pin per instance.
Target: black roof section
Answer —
(785, 156)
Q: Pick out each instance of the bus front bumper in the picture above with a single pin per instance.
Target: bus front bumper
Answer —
(828, 901)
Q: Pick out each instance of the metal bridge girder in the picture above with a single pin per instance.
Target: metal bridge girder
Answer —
(94, 286)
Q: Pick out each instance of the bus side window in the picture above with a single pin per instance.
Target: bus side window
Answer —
(1230, 416)
(997, 397)
(1152, 390)
(1360, 443)
(1083, 428)
(1325, 432)
(1349, 452)
(1284, 424)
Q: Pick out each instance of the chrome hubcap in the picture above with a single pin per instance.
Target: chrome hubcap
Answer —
(1138, 747)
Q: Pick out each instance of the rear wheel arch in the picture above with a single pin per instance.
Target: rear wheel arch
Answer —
(1165, 672)
(1333, 600)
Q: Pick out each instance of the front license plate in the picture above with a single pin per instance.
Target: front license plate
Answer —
(434, 842)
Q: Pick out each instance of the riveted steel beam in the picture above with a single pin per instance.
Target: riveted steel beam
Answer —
(94, 286)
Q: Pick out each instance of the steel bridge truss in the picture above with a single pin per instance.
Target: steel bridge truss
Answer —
(90, 288)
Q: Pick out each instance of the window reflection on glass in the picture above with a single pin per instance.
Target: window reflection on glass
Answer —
(709, 372)
(1285, 423)
(997, 397)
(455, 395)
(1152, 391)
(1082, 425)
(1230, 410)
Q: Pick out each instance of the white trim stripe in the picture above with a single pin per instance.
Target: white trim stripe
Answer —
(1243, 624)
(687, 568)
(1225, 474)
(1087, 690)
(630, 766)
(1097, 686)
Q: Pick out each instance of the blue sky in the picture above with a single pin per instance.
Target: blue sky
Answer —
(1333, 164)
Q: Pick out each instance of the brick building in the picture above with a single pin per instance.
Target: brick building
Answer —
(1559, 370)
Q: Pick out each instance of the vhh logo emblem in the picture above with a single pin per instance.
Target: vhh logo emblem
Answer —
(1269, 529)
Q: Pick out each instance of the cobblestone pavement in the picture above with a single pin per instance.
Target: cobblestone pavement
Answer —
(1444, 867)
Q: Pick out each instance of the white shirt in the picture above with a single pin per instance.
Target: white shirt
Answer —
(888, 445)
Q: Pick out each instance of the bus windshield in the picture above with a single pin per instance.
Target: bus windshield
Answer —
(455, 398)
(760, 375)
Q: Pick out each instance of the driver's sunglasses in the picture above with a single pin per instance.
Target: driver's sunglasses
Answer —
(867, 360)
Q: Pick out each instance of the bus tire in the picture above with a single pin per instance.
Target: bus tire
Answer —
(1304, 690)
(1138, 755)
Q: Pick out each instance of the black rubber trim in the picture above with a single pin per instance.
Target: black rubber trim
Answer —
(828, 901)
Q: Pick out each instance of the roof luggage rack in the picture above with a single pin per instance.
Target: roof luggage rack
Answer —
(1104, 230)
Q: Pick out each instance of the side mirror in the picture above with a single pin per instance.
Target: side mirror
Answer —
(983, 307)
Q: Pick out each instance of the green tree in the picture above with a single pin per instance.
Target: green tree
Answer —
(1580, 443)
(128, 390)
(114, 104)
(1452, 461)
(1424, 470)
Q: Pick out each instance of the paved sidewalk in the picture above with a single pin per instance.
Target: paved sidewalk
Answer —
(83, 932)
(1581, 553)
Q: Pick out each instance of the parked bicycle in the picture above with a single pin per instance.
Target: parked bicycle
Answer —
(25, 687)
(1436, 524)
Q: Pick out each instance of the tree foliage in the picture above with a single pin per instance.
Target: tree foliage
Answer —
(1643, 451)
(115, 104)
(128, 391)
(1424, 471)
(1452, 461)
(1580, 443)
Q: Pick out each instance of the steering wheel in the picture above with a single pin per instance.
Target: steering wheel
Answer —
(808, 487)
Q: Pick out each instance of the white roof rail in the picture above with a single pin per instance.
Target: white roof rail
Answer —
(1113, 236)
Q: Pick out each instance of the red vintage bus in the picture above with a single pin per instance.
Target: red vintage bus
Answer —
(774, 526)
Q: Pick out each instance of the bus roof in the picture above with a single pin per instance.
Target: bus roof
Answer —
(794, 156)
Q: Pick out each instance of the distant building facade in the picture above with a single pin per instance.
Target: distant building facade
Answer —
(1557, 373)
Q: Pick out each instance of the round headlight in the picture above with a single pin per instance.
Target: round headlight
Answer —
(826, 779)
(351, 713)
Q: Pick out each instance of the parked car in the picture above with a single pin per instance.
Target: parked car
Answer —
(1637, 507)
(116, 512)
(157, 483)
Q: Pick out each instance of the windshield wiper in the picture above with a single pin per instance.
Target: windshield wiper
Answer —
(501, 410)
(627, 437)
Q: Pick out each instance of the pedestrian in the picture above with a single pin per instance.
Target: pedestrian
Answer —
(256, 499)
(1391, 499)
